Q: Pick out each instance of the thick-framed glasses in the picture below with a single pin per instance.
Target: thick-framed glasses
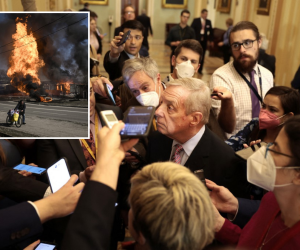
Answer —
(247, 44)
(137, 37)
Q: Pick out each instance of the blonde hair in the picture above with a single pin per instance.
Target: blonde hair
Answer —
(199, 98)
(171, 207)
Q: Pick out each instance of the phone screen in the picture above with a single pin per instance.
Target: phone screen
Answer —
(110, 94)
(44, 246)
(138, 121)
(32, 169)
(58, 175)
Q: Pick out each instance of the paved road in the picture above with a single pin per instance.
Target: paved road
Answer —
(73, 114)
(46, 121)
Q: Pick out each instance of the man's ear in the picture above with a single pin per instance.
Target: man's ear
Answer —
(196, 118)
(173, 61)
(158, 78)
(259, 42)
(197, 68)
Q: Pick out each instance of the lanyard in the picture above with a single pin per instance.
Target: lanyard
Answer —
(95, 139)
(259, 97)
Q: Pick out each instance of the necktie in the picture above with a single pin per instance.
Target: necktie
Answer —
(254, 99)
(176, 157)
(88, 157)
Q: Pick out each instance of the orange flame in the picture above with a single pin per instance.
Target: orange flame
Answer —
(25, 59)
(65, 86)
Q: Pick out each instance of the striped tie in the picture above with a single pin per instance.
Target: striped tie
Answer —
(176, 157)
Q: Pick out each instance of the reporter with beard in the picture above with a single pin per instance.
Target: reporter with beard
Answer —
(244, 77)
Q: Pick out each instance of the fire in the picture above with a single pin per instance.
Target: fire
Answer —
(64, 86)
(46, 99)
(24, 59)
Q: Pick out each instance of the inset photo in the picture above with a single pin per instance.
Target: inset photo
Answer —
(44, 74)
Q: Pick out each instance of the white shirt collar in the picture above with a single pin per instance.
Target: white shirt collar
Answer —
(191, 143)
(132, 56)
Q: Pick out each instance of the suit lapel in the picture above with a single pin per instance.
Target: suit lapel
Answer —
(199, 157)
(75, 145)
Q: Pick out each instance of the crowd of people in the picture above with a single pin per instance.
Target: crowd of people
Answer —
(150, 187)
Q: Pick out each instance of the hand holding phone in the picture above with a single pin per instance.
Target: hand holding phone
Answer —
(31, 169)
(124, 38)
(109, 118)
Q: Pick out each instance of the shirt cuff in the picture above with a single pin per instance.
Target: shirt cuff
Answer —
(82, 177)
(48, 192)
(113, 59)
(35, 207)
(230, 217)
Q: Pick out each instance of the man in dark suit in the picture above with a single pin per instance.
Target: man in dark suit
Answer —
(115, 58)
(182, 136)
(204, 33)
(85, 7)
(129, 14)
(145, 20)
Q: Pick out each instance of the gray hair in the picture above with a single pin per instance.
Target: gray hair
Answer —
(199, 98)
(146, 65)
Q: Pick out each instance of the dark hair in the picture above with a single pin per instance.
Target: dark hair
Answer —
(245, 25)
(86, 5)
(229, 21)
(204, 10)
(133, 25)
(93, 14)
(191, 44)
(185, 11)
(289, 98)
(292, 130)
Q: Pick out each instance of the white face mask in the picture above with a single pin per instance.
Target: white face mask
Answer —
(149, 98)
(184, 69)
(261, 170)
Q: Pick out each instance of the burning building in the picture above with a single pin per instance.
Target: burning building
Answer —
(61, 59)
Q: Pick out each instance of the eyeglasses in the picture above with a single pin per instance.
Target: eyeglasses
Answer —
(129, 12)
(276, 152)
(137, 37)
(247, 44)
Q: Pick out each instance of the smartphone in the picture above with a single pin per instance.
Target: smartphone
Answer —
(45, 246)
(109, 94)
(200, 174)
(124, 38)
(32, 169)
(109, 118)
(138, 121)
(58, 174)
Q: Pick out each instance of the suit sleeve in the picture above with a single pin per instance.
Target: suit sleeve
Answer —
(91, 224)
(296, 81)
(18, 223)
(20, 188)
